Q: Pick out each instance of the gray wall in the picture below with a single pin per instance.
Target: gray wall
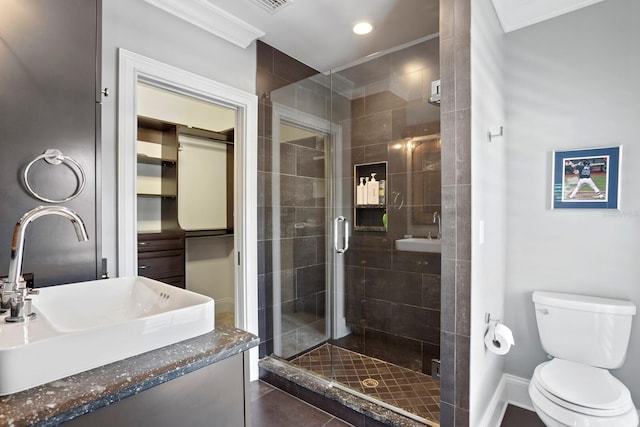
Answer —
(572, 83)
(489, 200)
(455, 116)
(147, 30)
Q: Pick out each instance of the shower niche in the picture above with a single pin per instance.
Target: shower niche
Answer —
(369, 195)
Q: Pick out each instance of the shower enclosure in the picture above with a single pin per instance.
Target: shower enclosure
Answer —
(339, 297)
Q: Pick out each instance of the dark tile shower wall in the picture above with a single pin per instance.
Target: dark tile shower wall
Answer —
(455, 55)
(392, 297)
(301, 249)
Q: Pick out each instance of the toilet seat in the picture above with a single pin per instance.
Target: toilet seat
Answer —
(554, 415)
(581, 388)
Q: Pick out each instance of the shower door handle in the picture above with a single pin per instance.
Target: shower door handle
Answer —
(345, 237)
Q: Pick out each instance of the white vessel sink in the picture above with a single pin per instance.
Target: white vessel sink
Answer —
(419, 244)
(85, 325)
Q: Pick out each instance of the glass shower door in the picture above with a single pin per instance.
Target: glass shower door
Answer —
(300, 216)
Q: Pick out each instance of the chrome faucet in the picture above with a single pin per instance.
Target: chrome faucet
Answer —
(436, 218)
(14, 291)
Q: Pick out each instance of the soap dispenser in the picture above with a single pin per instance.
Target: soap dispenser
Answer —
(373, 190)
(361, 193)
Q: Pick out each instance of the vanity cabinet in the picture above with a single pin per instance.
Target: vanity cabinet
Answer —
(51, 95)
(216, 395)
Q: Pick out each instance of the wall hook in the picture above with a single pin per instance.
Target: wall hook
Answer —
(495, 133)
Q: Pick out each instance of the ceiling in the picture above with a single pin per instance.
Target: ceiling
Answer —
(319, 32)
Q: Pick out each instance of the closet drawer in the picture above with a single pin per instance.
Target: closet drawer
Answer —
(160, 242)
(157, 265)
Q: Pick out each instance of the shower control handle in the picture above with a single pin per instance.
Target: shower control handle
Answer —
(345, 236)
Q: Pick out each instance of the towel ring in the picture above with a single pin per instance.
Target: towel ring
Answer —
(55, 157)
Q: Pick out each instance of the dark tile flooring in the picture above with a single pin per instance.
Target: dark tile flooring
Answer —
(518, 417)
(403, 388)
(271, 407)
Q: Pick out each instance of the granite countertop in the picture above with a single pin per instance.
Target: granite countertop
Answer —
(62, 400)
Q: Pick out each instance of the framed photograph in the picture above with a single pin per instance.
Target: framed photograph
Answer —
(586, 179)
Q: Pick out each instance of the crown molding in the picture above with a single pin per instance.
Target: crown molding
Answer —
(211, 18)
(516, 14)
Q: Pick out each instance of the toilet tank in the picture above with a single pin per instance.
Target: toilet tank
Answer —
(590, 330)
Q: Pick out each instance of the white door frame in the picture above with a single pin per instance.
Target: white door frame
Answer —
(134, 68)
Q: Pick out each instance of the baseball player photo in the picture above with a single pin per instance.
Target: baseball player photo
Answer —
(584, 178)
(587, 178)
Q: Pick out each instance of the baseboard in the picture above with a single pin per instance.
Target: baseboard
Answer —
(496, 407)
(518, 391)
(511, 390)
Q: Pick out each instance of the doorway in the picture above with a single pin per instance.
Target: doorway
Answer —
(135, 69)
(185, 175)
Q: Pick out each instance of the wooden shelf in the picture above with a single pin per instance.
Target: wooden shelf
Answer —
(368, 228)
(147, 160)
(164, 196)
(209, 233)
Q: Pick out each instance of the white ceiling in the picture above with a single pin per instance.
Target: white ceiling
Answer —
(319, 32)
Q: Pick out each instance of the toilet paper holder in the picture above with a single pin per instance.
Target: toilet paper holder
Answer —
(488, 319)
(498, 338)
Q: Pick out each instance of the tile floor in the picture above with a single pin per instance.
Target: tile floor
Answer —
(412, 391)
(518, 417)
(271, 407)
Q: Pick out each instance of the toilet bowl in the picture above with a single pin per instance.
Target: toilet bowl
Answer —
(566, 393)
(584, 336)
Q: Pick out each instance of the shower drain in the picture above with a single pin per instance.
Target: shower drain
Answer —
(370, 383)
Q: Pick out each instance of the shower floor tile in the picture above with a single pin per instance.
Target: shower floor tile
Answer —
(411, 391)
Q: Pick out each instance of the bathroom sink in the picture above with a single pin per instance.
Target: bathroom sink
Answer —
(81, 326)
(419, 244)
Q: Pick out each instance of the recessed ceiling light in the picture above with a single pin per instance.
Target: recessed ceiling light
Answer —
(362, 28)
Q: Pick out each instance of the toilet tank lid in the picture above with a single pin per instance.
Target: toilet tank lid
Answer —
(584, 303)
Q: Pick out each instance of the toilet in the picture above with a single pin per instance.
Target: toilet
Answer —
(584, 337)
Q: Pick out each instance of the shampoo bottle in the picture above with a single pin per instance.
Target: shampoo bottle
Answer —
(373, 190)
(361, 193)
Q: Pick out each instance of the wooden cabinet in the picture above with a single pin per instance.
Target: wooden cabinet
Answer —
(161, 256)
(167, 183)
(156, 183)
(161, 249)
(216, 395)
